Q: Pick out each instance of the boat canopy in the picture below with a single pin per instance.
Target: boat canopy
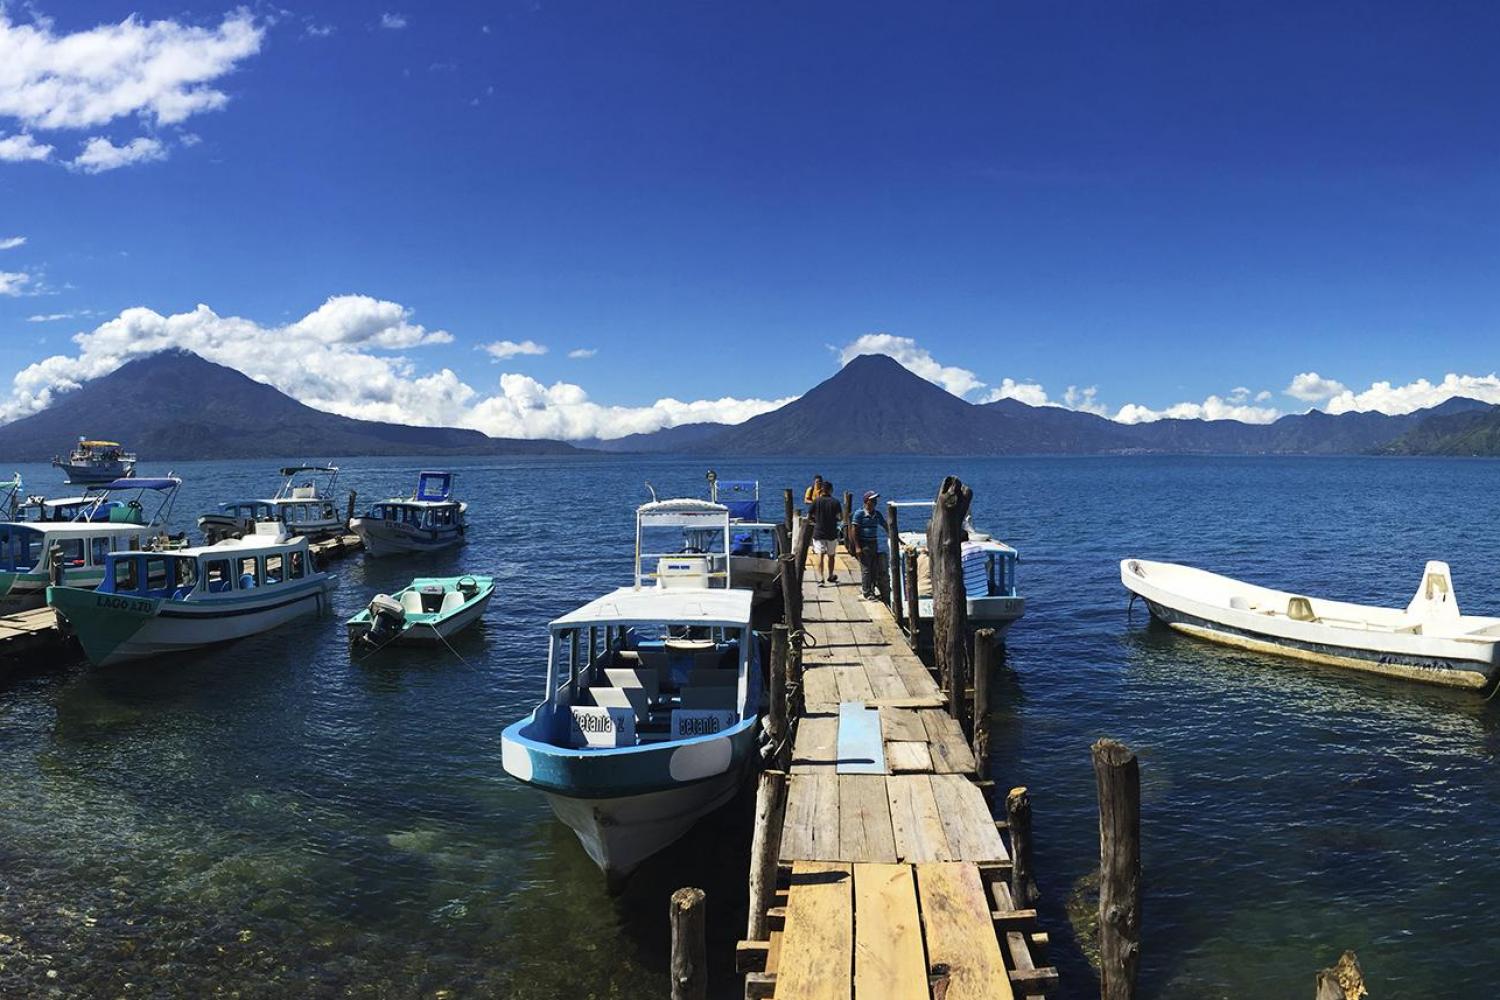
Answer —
(434, 487)
(292, 470)
(628, 606)
(741, 496)
(162, 483)
(99, 444)
(697, 532)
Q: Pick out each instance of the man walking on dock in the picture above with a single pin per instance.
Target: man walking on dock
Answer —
(825, 514)
(868, 523)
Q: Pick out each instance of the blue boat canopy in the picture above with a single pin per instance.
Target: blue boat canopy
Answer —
(434, 485)
(741, 496)
(163, 483)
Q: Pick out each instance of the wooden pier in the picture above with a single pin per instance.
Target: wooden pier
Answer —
(891, 875)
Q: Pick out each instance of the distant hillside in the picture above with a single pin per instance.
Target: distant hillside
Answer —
(176, 406)
(1472, 432)
(683, 437)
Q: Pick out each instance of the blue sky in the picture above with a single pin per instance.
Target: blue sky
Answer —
(1161, 203)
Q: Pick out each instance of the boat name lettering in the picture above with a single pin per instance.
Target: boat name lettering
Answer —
(121, 603)
(687, 723)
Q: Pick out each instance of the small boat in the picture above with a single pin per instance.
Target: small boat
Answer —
(1429, 640)
(989, 568)
(84, 531)
(428, 520)
(753, 546)
(651, 708)
(154, 603)
(428, 611)
(97, 462)
(305, 507)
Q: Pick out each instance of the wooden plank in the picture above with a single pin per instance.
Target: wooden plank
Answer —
(950, 751)
(960, 936)
(910, 701)
(817, 947)
(817, 741)
(889, 960)
(966, 820)
(915, 675)
(915, 823)
(884, 681)
(820, 688)
(902, 724)
(853, 684)
(810, 830)
(865, 832)
(905, 757)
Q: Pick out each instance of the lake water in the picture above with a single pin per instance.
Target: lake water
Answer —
(275, 818)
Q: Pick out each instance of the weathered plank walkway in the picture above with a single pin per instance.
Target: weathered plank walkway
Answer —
(892, 866)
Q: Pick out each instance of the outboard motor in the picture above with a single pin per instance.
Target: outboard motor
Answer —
(386, 619)
(468, 587)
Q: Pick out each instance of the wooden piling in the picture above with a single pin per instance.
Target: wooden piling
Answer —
(894, 536)
(689, 947)
(1119, 783)
(984, 663)
(791, 507)
(1344, 980)
(791, 599)
(804, 542)
(55, 565)
(913, 601)
(778, 723)
(848, 519)
(950, 606)
(349, 510)
(765, 850)
(1023, 888)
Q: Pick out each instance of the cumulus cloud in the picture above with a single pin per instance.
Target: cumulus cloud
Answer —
(50, 317)
(159, 70)
(22, 147)
(11, 242)
(499, 350)
(1310, 387)
(393, 22)
(579, 353)
(13, 283)
(1212, 408)
(99, 154)
(1085, 399)
(337, 358)
(959, 381)
(1388, 398)
(1029, 393)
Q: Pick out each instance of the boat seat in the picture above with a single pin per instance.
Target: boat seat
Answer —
(632, 698)
(624, 677)
(452, 601)
(411, 602)
(713, 697)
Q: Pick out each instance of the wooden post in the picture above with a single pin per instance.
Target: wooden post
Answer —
(1119, 782)
(950, 605)
(894, 534)
(984, 662)
(804, 542)
(791, 599)
(1344, 980)
(848, 519)
(689, 949)
(765, 850)
(783, 541)
(349, 511)
(786, 498)
(55, 565)
(913, 600)
(778, 726)
(1023, 890)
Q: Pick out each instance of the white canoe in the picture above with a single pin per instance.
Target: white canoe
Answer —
(1429, 640)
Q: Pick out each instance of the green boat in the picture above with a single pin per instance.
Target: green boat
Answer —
(429, 610)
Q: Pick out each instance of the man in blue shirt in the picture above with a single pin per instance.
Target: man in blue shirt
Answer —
(868, 523)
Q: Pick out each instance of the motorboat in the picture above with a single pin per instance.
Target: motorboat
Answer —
(71, 540)
(989, 569)
(429, 610)
(650, 711)
(155, 603)
(753, 546)
(96, 462)
(304, 504)
(1429, 640)
(427, 521)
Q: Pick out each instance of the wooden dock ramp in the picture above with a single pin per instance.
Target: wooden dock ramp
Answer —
(892, 878)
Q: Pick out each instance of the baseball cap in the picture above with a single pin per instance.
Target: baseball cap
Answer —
(871, 495)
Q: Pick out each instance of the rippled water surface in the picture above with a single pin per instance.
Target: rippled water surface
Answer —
(274, 818)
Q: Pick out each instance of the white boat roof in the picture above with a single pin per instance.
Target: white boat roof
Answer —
(682, 505)
(655, 605)
(410, 502)
(248, 545)
(83, 527)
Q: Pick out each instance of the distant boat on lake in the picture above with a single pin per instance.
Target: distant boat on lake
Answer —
(1429, 641)
(426, 612)
(96, 462)
(304, 504)
(428, 520)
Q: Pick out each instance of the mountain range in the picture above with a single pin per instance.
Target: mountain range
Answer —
(174, 405)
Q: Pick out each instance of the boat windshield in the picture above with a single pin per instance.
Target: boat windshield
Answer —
(21, 548)
(150, 575)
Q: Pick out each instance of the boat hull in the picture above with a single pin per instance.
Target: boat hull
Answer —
(26, 591)
(998, 613)
(93, 474)
(387, 538)
(429, 634)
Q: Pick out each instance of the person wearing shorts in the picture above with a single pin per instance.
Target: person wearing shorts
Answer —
(826, 513)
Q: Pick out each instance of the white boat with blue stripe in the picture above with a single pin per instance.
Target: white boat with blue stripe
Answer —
(427, 521)
(155, 603)
(989, 569)
(650, 714)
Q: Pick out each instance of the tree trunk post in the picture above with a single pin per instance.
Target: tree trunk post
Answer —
(894, 534)
(689, 949)
(848, 518)
(913, 599)
(791, 599)
(984, 662)
(1119, 782)
(765, 850)
(804, 542)
(1344, 980)
(55, 565)
(349, 511)
(778, 724)
(786, 499)
(1023, 890)
(950, 605)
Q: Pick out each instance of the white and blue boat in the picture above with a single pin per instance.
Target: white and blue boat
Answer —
(304, 504)
(156, 603)
(97, 462)
(753, 547)
(427, 611)
(427, 521)
(651, 708)
(989, 569)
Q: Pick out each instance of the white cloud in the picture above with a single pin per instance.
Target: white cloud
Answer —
(23, 147)
(1212, 408)
(13, 283)
(333, 359)
(11, 242)
(1418, 395)
(1085, 400)
(99, 154)
(1310, 387)
(395, 22)
(161, 71)
(1263, 395)
(579, 353)
(50, 317)
(959, 381)
(499, 350)
(1029, 393)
